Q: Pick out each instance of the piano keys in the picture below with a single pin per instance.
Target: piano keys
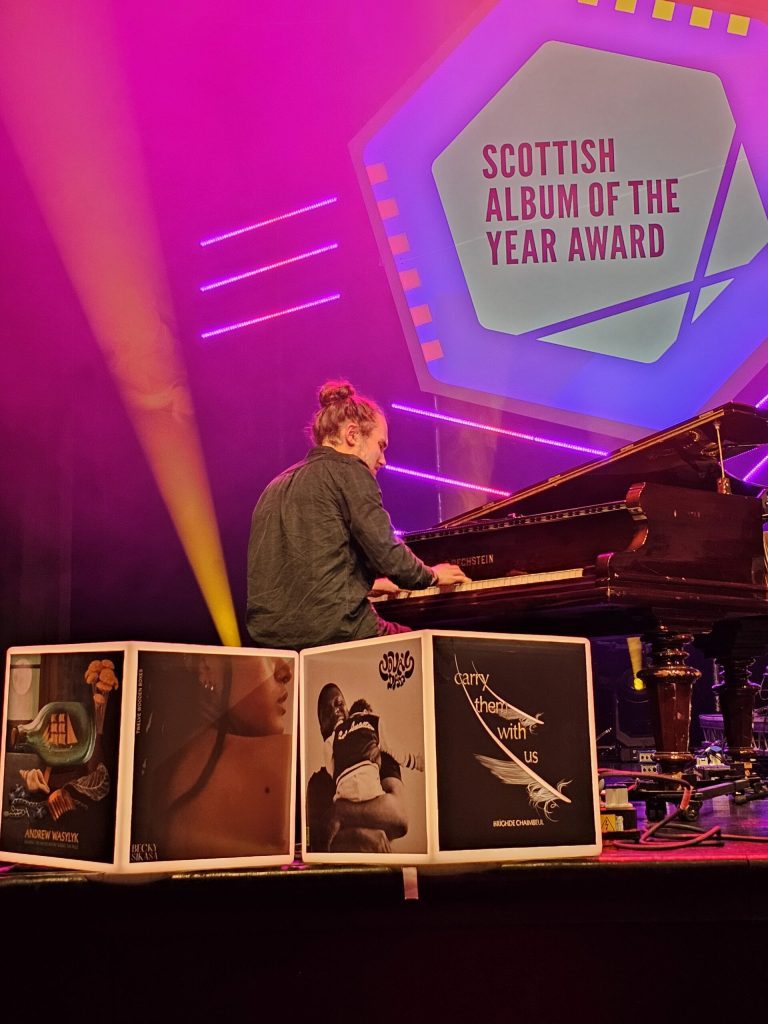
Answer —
(523, 579)
(656, 540)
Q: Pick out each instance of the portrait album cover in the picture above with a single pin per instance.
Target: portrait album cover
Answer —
(449, 747)
(177, 757)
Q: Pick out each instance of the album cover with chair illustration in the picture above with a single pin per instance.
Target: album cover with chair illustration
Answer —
(446, 746)
(145, 758)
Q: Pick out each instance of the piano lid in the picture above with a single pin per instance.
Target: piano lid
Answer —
(687, 455)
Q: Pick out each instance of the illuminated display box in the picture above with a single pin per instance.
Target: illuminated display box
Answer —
(144, 757)
(443, 746)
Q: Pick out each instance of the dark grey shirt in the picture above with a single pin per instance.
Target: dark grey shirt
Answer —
(319, 538)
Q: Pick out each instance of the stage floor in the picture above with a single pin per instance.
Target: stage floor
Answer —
(718, 824)
(610, 938)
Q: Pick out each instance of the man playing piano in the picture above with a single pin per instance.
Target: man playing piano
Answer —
(321, 542)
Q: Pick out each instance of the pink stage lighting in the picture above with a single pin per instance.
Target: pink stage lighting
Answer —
(270, 316)
(433, 478)
(271, 266)
(498, 430)
(270, 220)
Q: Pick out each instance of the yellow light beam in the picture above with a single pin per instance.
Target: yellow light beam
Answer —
(70, 119)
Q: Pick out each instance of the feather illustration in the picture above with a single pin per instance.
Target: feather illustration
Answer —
(509, 711)
(509, 772)
(541, 794)
(512, 775)
(543, 800)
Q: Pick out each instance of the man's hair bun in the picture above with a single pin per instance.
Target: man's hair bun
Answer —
(340, 403)
(335, 391)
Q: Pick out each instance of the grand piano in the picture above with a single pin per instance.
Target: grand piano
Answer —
(656, 540)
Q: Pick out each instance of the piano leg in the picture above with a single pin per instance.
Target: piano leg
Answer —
(734, 645)
(670, 684)
(735, 694)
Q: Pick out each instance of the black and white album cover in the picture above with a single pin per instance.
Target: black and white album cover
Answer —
(363, 751)
(514, 745)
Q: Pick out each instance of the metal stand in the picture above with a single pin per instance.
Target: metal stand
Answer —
(657, 796)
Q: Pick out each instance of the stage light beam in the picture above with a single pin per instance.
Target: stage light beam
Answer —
(69, 117)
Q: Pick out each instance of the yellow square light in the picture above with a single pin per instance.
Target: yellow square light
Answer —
(738, 24)
(701, 17)
(663, 9)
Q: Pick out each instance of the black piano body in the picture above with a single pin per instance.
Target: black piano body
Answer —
(656, 540)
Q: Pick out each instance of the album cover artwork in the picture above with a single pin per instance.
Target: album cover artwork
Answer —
(213, 757)
(60, 754)
(363, 750)
(513, 743)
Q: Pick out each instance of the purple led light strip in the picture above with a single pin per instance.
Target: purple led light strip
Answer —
(755, 468)
(270, 266)
(498, 430)
(761, 462)
(270, 316)
(446, 480)
(270, 220)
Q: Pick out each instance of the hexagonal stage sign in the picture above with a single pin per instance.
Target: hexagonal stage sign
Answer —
(572, 209)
